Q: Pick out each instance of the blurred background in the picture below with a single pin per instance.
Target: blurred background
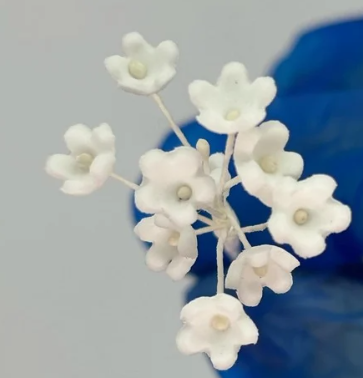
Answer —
(76, 298)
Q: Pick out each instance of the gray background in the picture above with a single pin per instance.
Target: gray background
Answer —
(75, 297)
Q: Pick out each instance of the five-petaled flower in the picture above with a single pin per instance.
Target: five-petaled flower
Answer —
(256, 267)
(261, 160)
(145, 69)
(304, 214)
(217, 326)
(174, 183)
(234, 104)
(173, 249)
(90, 162)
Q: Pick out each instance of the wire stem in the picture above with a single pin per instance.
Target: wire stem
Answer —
(128, 183)
(170, 119)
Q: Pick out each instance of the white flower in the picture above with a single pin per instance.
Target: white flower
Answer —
(173, 249)
(261, 160)
(215, 166)
(234, 104)
(174, 183)
(217, 326)
(145, 69)
(256, 267)
(90, 162)
(304, 214)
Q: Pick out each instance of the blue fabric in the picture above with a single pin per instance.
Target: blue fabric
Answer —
(315, 330)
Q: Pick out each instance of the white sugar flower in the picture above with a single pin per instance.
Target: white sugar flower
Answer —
(144, 69)
(173, 249)
(261, 160)
(217, 326)
(304, 214)
(215, 166)
(256, 267)
(174, 183)
(90, 162)
(234, 104)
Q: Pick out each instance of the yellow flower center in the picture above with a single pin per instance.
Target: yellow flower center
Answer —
(84, 160)
(184, 193)
(174, 239)
(220, 323)
(232, 115)
(268, 164)
(261, 271)
(137, 69)
(301, 216)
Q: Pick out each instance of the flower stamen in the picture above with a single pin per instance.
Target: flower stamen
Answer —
(268, 164)
(84, 161)
(137, 69)
(174, 239)
(184, 193)
(301, 216)
(220, 323)
(232, 115)
(261, 271)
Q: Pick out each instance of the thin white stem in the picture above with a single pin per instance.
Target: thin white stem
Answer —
(215, 212)
(232, 182)
(235, 224)
(205, 230)
(227, 157)
(255, 228)
(220, 265)
(170, 119)
(128, 183)
(206, 220)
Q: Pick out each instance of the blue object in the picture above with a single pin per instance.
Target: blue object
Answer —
(315, 330)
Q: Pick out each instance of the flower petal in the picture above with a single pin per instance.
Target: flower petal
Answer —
(307, 244)
(250, 288)
(258, 256)
(79, 187)
(152, 164)
(61, 166)
(320, 187)
(290, 164)
(182, 214)
(188, 342)
(203, 94)
(248, 332)
(204, 190)
(102, 167)
(167, 52)
(273, 138)
(245, 145)
(194, 308)
(78, 139)
(159, 256)
(336, 217)
(103, 138)
(135, 46)
(229, 305)
(277, 279)
(148, 199)
(234, 274)
(179, 267)
(188, 243)
(233, 76)
(263, 90)
(148, 231)
(283, 259)
(223, 357)
(117, 67)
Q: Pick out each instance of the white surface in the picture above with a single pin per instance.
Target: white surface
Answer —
(76, 298)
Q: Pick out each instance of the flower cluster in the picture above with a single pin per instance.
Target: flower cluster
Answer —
(177, 185)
